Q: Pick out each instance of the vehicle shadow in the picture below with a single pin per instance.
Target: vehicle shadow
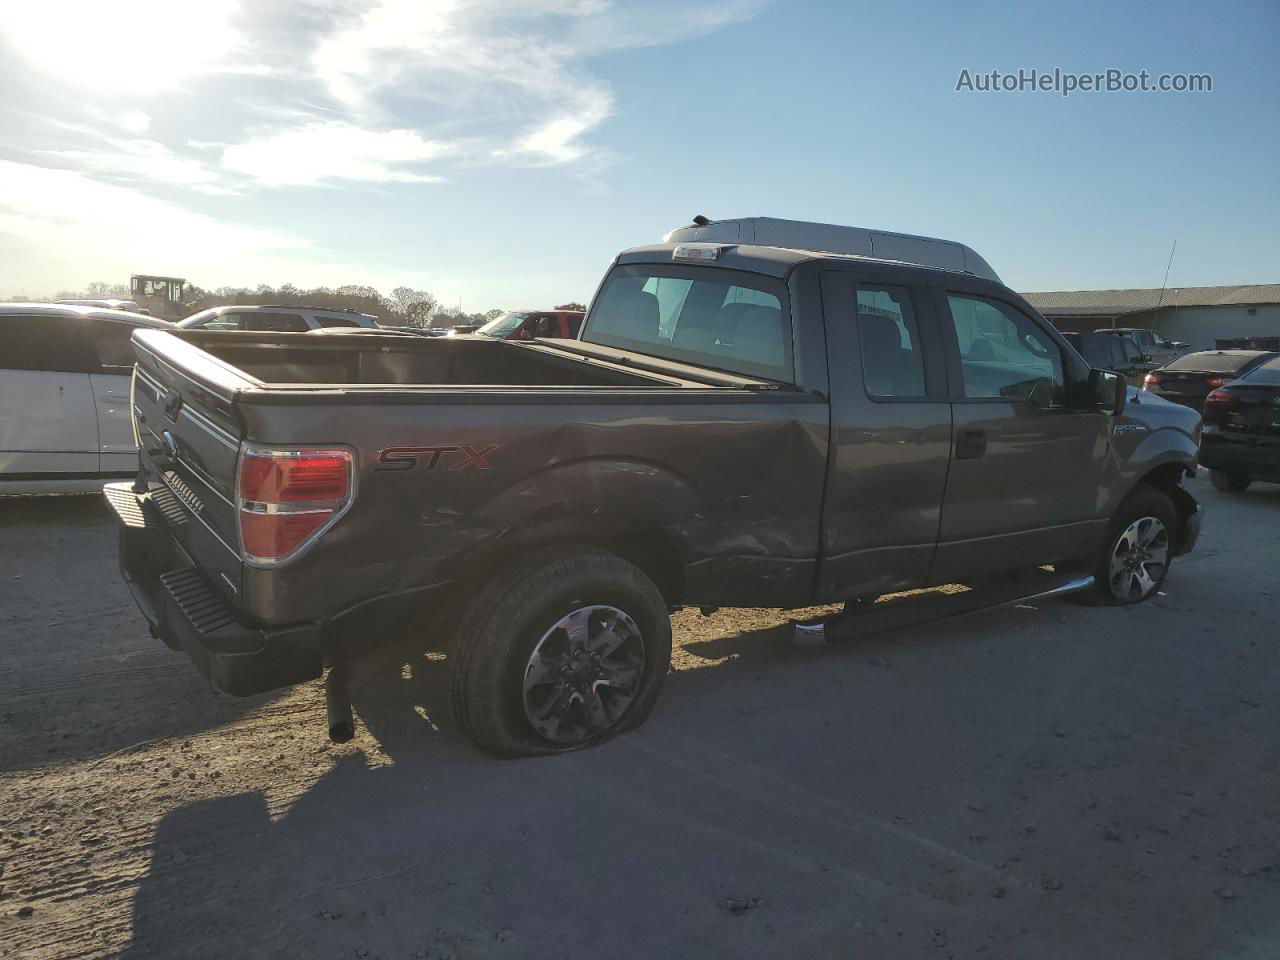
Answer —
(82, 676)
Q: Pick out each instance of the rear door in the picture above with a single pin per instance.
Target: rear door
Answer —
(1022, 487)
(48, 428)
(890, 433)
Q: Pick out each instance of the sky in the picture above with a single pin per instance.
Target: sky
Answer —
(499, 153)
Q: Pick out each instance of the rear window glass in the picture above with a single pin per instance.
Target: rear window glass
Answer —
(1211, 362)
(1268, 373)
(723, 319)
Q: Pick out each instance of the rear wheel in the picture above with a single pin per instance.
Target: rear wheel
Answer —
(562, 650)
(1230, 481)
(1135, 560)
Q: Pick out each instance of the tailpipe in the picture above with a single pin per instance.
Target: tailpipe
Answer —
(337, 701)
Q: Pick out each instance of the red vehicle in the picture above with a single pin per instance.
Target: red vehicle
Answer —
(527, 324)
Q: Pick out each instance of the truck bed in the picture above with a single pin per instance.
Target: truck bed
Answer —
(290, 360)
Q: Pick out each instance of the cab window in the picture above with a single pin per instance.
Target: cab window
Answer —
(722, 319)
(1004, 354)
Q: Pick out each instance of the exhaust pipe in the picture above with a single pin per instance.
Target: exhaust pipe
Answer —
(337, 701)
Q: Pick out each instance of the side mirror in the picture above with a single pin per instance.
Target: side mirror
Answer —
(1107, 392)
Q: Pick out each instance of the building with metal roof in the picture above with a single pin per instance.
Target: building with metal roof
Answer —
(1198, 315)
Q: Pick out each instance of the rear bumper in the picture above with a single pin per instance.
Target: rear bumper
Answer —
(188, 614)
(1257, 457)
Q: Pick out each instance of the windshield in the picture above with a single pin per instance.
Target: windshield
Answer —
(198, 318)
(708, 316)
(1211, 362)
(504, 325)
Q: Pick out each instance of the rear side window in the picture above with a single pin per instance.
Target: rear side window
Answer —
(892, 364)
(1268, 373)
(1211, 362)
(1005, 354)
(51, 343)
(723, 319)
(113, 343)
(336, 322)
(274, 322)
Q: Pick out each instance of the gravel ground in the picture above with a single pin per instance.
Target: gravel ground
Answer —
(1047, 782)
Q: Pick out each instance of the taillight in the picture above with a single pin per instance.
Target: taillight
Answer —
(288, 497)
(1151, 379)
(1221, 399)
(1217, 381)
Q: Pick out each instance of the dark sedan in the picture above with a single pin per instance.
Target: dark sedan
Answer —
(1241, 439)
(1188, 380)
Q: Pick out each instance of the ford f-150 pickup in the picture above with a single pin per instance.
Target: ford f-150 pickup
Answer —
(758, 413)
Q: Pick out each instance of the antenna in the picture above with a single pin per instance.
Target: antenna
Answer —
(1156, 316)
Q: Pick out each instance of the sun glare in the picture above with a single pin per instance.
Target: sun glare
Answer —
(133, 46)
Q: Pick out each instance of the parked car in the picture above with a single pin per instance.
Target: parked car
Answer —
(64, 396)
(1241, 441)
(371, 331)
(278, 319)
(1104, 352)
(129, 306)
(740, 424)
(1156, 347)
(531, 324)
(1189, 379)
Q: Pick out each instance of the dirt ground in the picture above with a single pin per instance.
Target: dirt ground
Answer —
(1047, 782)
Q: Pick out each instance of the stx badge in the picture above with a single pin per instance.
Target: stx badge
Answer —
(406, 458)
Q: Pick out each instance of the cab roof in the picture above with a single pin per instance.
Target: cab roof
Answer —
(768, 260)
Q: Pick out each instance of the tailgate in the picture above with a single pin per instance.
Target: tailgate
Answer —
(189, 439)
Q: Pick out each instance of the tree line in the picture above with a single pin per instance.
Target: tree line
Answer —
(404, 307)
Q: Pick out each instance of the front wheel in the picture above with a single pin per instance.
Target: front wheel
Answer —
(1135, 560)
(561, 650)
(1229, 481)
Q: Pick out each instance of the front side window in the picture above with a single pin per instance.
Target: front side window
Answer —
(892, 364)
(722, 319)
(1005, 354)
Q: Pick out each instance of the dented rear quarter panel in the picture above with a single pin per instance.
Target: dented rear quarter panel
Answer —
(731, 480)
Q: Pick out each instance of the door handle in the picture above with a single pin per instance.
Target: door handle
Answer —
(970, 444)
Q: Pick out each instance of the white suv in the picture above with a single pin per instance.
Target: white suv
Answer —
(64, 397)
(278, 319)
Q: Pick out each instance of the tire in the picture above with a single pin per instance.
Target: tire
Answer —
(1230, 481)
(538, 606)
(1134, 521)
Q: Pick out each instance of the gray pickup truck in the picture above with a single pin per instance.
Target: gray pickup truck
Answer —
(743, 422)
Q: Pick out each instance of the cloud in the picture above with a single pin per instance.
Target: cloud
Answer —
(511, 73)
(140, 160)
(55, 223)
(136, 46)
(334, 150)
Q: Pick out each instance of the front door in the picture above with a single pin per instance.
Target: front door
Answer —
(1022, 488)
(890, 434)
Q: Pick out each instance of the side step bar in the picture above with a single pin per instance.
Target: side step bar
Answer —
(909, 611)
